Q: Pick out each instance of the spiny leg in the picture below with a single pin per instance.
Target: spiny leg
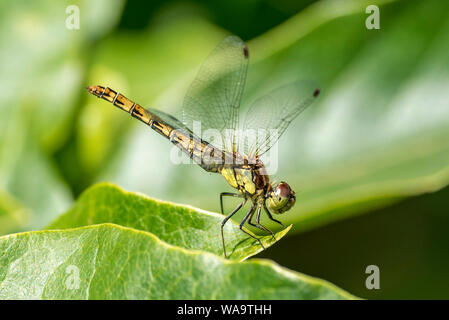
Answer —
(257, 224)
(228, 194)
(226, 220)
(250, 212)
(270, 216)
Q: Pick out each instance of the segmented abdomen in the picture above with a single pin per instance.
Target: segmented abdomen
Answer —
(204, 154)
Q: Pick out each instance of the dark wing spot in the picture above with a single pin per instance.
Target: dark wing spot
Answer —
(245, 51)
(316, 93)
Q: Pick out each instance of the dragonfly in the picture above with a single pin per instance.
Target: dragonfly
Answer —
(213, 99)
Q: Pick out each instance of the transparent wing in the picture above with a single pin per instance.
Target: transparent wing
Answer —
(214, 96)
(269, 116)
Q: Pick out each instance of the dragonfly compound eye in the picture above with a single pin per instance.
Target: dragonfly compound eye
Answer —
(282, 198)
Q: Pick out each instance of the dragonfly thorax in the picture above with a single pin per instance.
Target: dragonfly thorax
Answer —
(251, 180)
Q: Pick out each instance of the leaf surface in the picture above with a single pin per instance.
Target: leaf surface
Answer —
(179, 225)
(113, 262)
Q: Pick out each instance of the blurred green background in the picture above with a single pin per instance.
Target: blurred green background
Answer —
(375, 143)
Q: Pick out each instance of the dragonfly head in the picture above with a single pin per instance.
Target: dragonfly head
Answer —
(281, 198)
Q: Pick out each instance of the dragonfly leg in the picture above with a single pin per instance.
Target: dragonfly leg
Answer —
(226, 220)
(250, 212)
(228, 194)
(257, 224)
(270, 216)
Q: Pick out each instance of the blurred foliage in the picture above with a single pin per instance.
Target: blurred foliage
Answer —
(248, 19)
(43, 66)
(377, 134)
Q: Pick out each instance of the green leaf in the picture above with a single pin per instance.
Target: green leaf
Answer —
(114, 262)
(179, 225)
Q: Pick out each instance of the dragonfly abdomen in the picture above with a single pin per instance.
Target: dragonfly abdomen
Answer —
(204, 154)
(201, 152)
(122, 102)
